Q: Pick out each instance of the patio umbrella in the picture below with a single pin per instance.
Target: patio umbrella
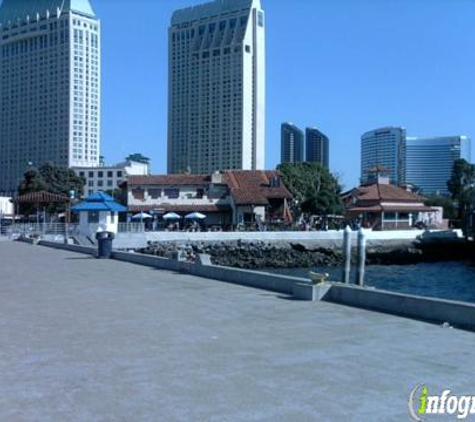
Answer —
(171, 216)
(141, 216)
(195, 216)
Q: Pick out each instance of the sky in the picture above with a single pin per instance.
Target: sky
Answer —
(344, 66)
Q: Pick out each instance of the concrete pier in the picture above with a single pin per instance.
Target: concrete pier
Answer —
(92, 340)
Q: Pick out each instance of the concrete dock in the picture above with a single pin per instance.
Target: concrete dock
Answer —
(92, 340)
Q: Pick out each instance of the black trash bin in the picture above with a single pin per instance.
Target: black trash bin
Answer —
(104, 244)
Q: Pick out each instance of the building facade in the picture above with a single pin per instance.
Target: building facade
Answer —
(291, 143)
(50, 86)
(216, 106)
(107, 178)
(379, 205)
(226, 198)
(384, 147)
(429, 161)
(317, 147)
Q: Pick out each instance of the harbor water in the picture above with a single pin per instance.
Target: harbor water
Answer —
(445, 280)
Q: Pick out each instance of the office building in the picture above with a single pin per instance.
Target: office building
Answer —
(50, 86)
(107, 178)
(317, 147)
(291, 143)
(385, 147)
(429, 161)
(216, 108)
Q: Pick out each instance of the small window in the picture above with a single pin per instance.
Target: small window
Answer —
(155, 193)
(100, 174)
(110, 183)
(91, 174)
(110, 174)
(248, 48)
(119, 174)
(81, 174)
(93, 217)
(200, 193)
(100, 183)
(138, 193)
(172, 193)
(260, 19)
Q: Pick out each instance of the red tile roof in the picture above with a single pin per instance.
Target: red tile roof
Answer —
(42, 197)
(386, 193)
(181, 208)
(253, 187)
(247, 187)
(170, 180)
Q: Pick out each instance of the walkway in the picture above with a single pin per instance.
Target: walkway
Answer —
(89, 340)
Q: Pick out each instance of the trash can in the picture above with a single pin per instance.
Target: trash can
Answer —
(104, 244)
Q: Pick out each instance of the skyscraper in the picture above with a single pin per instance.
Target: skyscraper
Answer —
(291, 142)
(216, 106)
(385, 147)
(317, 147)
(49, 86)
(429, 161)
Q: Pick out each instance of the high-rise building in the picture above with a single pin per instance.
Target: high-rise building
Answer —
(49, 87)
(317, 147)
(429, 161)
(385, 147)
(292, 143)
(216, 107)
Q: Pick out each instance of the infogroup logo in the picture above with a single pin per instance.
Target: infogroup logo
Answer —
(423, 404)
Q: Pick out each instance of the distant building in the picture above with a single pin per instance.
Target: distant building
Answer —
(429, 161)
(226, 198)
(50, 86)
(6, 207)
(384, 147)
(216, 107)
(380, 205)
(317, 147)
(107, 178)
(292, 143)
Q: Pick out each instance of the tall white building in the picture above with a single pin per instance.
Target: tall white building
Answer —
(49, 86)
(216, 108)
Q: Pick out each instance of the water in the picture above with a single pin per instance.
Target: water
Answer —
(446, 280)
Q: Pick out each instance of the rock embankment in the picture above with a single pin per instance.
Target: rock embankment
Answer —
(254, 255)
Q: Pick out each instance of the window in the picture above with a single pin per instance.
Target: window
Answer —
(260, 19)
(119, 174)
(91, 174)
(248, 48)
(172, 193)
(93, 217)
(138, 193)
(110, 183)
(199, 193)
(100, 183)
(155, 193)
(110, 174)
(100, 174)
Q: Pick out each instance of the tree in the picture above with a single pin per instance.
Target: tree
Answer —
(314, 188)
(462, 185)
(53, 179)
(450, 209)
(139, 158)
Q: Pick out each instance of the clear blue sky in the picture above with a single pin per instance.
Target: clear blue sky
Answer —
(345, 66)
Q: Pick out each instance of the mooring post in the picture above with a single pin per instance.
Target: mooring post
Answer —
(346, 254)
(360, 270)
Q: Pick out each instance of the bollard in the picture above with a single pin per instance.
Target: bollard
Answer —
(360, 269)
(346, 255)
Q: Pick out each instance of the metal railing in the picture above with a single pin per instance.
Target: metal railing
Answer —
(38, 229)
(131, 227)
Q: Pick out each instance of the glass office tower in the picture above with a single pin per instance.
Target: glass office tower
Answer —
(50, 86)
(317, 147)
(385, 147)
(216, 107)
(429, 161)
(291, 143)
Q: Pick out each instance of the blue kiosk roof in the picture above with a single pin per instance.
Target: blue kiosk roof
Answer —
(99, 201)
